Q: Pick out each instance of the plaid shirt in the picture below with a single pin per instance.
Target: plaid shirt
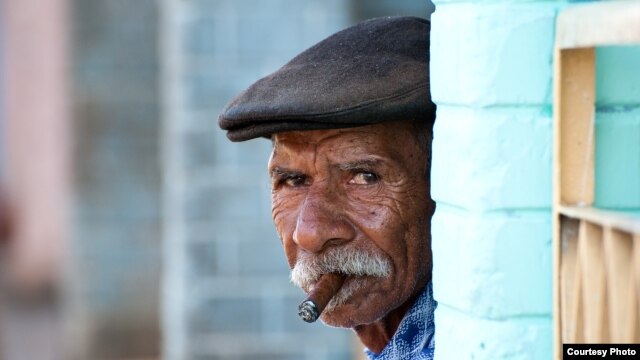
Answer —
(414, 338)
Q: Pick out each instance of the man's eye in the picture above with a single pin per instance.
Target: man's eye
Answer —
(364, 178)
(294, 181)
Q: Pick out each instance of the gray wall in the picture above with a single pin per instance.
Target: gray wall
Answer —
(112, 281)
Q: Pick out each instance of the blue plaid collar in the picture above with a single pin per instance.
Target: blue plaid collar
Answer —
(414, 338)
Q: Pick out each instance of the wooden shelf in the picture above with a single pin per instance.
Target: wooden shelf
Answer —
(596, 251)
(598, 24)
(628, 222)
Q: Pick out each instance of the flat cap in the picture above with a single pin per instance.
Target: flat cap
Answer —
(373, 72)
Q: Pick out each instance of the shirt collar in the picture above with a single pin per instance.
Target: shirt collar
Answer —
(414, 338)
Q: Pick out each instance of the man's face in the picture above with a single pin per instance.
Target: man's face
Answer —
(354, 201)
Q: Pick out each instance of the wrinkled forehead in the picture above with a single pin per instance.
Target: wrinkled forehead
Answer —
(393, 141)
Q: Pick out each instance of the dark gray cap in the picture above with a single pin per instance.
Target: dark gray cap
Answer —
(373, 72)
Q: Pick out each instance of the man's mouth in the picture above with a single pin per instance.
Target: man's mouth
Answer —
(351, 283)
(354, 264)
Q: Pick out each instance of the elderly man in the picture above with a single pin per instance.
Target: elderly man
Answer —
(351, 122)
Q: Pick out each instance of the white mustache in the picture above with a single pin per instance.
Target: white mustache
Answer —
(309, 268)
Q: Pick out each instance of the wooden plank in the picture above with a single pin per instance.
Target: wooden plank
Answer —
(622, 313)
(558, 307)
(593, 283)
(574, 113)
(576, 324)
(621, 221)
(583, 26)
(569, 280)
(636, 278)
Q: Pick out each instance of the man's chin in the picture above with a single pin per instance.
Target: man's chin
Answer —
(335, 318)
(348, 316)
(348, 308)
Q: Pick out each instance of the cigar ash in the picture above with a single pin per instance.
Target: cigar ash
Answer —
(320, 295)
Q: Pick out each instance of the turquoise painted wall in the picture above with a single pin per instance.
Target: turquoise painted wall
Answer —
(491, 72)
(618, 128)
(491, 78)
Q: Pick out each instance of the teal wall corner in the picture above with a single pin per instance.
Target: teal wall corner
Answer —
(491, 75)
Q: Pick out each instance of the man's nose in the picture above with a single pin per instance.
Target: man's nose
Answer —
(321, 223)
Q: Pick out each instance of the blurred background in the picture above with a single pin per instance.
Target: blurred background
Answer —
(130, 228)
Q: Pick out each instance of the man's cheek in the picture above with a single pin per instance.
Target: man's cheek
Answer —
(280, 212)
(284, 227)
(372, 215)
(277, 217)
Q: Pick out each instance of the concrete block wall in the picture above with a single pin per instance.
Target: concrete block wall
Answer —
(112, 279)
(226, 290)
(491, 69)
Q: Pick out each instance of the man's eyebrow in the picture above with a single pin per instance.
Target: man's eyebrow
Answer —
(278, 171)
(360, 164)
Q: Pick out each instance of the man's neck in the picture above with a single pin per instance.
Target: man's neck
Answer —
(376, 336)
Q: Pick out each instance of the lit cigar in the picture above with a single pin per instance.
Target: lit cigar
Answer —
(321, 293)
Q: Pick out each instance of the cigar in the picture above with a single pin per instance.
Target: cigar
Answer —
(321, 293)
